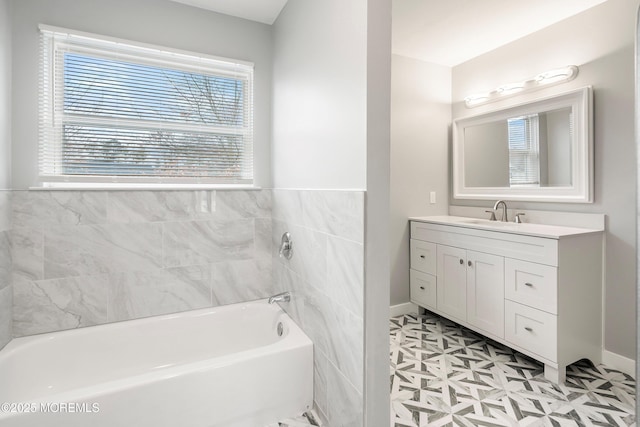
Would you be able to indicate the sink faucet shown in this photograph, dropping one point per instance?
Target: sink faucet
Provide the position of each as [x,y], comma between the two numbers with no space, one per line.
[504,210]
[283,297]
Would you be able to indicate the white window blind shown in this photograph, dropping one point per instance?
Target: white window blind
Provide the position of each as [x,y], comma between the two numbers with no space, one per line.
[524,151]
[113,111]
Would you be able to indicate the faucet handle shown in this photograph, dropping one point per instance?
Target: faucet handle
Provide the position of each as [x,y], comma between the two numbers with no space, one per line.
[493,215]
[517,219]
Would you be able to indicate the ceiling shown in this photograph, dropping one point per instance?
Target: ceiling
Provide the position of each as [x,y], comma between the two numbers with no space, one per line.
[446,32]
[265,11]
[449,32]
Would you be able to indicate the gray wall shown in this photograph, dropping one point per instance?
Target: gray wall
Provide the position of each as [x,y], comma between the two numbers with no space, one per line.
[6,289]
[5,94]
[558,148]
[601,42]
[158,22]
[487,148]
[420,120]
[319,95]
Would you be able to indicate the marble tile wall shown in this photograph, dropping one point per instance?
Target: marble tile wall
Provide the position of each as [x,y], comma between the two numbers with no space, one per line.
[326,278]
[83,258]
[6,289]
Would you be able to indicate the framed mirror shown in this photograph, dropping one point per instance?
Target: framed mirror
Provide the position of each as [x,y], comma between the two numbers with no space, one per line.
[537,151]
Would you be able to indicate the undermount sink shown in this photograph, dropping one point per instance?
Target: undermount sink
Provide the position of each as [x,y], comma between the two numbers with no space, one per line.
[487,223]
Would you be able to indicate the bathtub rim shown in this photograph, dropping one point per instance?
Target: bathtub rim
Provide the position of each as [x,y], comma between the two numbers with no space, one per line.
[295,339]
[30,340]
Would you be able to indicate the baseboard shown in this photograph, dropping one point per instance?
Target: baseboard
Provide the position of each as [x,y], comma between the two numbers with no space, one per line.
[621,363]
[400,309]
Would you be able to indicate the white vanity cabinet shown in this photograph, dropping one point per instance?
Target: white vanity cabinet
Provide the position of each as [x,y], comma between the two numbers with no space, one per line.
[537,289]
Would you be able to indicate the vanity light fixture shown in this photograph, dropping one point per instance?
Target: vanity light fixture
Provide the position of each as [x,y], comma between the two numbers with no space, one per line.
[548,78]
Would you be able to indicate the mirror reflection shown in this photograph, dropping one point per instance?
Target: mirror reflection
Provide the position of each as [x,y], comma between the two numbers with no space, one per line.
[532,150]
[539,150]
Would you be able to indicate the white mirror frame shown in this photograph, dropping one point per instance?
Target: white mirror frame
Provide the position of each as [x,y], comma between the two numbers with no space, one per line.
[581,191]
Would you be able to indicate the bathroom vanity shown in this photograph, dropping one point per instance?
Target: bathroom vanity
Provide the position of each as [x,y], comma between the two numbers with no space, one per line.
[535,288]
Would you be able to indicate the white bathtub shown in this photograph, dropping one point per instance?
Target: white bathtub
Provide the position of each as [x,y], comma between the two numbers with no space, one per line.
[224,366]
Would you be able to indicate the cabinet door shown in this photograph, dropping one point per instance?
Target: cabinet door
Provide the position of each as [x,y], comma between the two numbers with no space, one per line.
[452,281]
[485,292]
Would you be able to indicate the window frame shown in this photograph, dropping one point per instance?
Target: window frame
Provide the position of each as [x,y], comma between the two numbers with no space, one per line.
[51,120]
[530,155]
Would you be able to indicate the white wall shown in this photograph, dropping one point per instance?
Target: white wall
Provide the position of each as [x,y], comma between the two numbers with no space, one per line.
[601,42]
[319,95]
[159,22]
[420,120]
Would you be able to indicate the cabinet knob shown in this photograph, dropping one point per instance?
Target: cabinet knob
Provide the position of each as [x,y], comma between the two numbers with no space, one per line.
[422,287]
[469,263]
[528,284]
[422,256]
[461,261]
[528,329]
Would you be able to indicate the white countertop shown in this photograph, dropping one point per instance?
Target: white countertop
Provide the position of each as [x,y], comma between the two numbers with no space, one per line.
[527,229]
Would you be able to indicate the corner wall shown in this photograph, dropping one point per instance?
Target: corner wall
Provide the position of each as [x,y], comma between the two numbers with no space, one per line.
[601,42]
[420,120]
[320,145]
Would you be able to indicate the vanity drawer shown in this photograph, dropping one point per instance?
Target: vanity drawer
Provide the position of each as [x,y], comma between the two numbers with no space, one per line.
[423,289]
[535,285]
[423,256]
[531,329]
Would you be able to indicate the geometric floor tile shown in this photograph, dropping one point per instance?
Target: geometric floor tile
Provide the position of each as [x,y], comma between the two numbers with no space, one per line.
[443,374]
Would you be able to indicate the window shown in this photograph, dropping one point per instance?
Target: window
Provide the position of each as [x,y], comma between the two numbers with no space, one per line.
[524,151]
[113,111]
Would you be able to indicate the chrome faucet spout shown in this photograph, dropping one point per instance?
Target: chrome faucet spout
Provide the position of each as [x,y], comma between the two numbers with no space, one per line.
[283,297]
[502,203]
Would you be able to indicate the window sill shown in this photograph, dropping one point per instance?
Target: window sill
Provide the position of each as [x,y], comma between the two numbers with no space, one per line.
[139,187]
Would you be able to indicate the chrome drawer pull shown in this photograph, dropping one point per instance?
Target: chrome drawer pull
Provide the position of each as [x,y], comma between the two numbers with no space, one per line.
[529,284]
[526,328]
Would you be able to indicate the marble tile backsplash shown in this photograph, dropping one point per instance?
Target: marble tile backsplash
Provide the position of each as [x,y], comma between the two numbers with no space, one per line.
[6,288]
[83,258]
[326,278]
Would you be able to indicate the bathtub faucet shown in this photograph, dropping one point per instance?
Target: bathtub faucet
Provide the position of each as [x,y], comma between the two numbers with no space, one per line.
[283,297]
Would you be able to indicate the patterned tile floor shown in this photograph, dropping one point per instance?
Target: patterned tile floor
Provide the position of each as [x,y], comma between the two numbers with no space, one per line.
[443,374]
